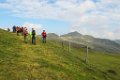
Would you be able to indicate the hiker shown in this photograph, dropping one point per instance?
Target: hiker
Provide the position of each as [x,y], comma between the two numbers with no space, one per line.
[33,36]
[8,29]
[21,30]
[44,35]
[30,35]
[17,30]
[14,28]
[25,33]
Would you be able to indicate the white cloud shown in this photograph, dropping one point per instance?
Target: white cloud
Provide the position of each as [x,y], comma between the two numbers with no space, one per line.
[110,34]
[99,19]
[102,21]
[116,34]
[37,27]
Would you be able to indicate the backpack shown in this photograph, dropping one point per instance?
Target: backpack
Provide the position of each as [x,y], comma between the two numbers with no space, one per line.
[44,34]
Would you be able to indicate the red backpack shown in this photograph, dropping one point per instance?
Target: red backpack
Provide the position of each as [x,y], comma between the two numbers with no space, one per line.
[44,34]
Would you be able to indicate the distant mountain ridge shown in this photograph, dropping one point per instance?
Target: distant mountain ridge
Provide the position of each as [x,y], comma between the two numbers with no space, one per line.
[105,45]
[117,41]
[52,36]
[75,34]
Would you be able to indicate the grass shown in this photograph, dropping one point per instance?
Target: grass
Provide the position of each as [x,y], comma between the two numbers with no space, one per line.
[20,61]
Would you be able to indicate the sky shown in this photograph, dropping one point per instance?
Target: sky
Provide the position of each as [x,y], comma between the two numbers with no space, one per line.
[99,18]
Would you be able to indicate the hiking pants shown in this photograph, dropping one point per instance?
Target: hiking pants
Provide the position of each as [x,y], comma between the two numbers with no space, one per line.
[25,39]
[44,39]
[33,40]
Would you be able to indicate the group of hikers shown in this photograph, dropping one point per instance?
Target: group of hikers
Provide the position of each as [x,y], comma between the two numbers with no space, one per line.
[25,33]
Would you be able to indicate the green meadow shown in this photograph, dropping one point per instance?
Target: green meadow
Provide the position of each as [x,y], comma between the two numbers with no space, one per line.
[50,61]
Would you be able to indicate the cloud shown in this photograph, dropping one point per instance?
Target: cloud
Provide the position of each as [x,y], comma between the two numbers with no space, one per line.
[101,22]
[115,34]
[60,9]
[37,27]
[99,18]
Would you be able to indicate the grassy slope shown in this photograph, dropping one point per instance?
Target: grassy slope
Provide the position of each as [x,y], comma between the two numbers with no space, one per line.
[20,61]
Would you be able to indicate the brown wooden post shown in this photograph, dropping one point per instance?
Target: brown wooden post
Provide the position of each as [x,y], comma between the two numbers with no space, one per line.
[86,57]
[69,46]
[62,45]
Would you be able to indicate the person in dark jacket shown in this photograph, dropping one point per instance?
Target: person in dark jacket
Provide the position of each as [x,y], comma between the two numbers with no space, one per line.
[8,29]
[33,36]
[14,28]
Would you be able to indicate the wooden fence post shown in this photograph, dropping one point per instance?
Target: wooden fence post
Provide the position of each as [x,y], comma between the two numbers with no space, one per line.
[69,46]
[86,57]
[62,45]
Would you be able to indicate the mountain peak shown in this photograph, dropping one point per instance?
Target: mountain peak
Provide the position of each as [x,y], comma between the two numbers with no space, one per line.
[75,33]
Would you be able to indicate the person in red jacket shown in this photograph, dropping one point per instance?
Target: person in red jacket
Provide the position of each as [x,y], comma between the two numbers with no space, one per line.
[44,35]
[25,33]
